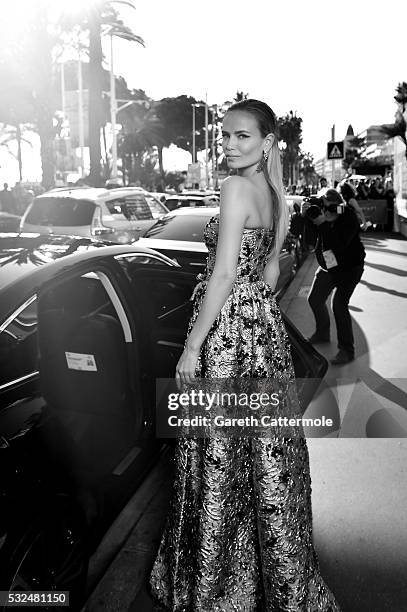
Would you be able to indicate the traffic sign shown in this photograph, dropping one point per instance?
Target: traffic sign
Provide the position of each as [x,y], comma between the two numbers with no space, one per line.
[335,150]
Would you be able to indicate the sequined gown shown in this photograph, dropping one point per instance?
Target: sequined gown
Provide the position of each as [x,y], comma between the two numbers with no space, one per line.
[238,535]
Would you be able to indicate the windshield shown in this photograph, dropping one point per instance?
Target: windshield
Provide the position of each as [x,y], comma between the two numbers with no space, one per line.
[62,212]
[179,227]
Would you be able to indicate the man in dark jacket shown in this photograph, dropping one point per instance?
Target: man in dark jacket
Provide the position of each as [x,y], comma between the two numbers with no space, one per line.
[340,254]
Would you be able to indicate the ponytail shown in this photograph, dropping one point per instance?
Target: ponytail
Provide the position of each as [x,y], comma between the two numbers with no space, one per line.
[274,177]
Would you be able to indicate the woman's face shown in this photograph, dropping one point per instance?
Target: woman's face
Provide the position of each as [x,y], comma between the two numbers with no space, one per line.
[243,144]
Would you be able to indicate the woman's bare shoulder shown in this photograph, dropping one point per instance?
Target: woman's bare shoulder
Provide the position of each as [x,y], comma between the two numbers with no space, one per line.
[236,188]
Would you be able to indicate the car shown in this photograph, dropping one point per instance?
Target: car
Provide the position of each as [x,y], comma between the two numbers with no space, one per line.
[9,222]
[192,200]
[115,215]
[85,330]
[179,235]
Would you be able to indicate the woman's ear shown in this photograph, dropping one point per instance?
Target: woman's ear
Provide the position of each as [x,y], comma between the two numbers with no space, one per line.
[269,141]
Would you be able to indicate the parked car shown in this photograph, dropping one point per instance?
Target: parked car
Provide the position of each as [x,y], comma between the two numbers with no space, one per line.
[192,200]
[115,215]
[9,222]
[179,235]
[85,330]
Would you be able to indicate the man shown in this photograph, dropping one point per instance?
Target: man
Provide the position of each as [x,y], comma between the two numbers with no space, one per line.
[323,186]
[340,254]
[7,199]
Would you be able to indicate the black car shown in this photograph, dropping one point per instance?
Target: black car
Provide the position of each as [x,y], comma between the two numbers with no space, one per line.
[179,235]
[192,200]
[85,330]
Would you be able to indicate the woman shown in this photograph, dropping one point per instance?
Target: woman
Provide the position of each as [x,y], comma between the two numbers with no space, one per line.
[348,193]
[239,533]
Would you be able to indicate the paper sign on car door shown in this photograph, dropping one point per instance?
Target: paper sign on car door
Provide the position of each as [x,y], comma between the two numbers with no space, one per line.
[81,361]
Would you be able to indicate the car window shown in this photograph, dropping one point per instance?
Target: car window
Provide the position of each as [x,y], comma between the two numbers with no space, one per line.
[179,227]
[79,299]
[18,344]
[165,300]
[157,209]
[140,258]
[54,211]
[172,203]
[131,208]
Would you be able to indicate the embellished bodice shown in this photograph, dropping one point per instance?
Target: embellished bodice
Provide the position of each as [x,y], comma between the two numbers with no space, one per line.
[255,249]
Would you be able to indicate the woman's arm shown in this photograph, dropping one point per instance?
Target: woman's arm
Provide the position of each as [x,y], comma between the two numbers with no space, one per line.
[234,212]
[272,271]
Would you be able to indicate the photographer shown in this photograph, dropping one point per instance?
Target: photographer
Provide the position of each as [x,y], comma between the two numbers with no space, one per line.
[340,254]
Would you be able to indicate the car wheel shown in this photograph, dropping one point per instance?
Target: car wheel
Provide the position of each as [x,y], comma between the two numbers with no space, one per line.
[51,555]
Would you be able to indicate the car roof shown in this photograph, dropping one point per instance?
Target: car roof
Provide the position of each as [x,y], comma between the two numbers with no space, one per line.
[77,193]
[94,194]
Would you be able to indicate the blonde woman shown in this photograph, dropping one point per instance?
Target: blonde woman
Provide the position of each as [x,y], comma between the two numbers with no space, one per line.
[238,535]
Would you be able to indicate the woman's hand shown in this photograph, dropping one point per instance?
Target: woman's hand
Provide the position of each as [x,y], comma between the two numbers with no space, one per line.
[185,370]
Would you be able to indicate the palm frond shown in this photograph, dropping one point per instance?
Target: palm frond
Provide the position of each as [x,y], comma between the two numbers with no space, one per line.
[124,2]
[121,31]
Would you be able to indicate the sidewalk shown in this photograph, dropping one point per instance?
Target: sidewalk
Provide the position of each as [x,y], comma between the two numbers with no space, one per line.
[359,485]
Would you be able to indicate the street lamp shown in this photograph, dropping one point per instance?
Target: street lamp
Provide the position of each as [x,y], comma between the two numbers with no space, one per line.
[115,108]
[81,128]
[194,105]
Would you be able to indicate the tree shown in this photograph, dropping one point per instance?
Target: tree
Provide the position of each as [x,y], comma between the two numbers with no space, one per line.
[28,92]
[175,115]
[138,146]
[353,150]
[240,95]
[290,131]
[8,135]
[99,19]
[399,127]
[307,169]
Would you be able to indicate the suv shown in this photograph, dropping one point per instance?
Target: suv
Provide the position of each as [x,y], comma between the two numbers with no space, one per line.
[116,215]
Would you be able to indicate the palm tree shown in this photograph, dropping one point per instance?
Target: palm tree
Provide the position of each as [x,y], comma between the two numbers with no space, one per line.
[290,131]
[399,127]
[102,18]
[141,145]
[99,19]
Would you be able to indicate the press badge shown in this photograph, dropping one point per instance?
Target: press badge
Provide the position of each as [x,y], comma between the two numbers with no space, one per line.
[329,258]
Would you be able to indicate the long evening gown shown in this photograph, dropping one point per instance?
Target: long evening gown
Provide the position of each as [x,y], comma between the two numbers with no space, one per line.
[238,535]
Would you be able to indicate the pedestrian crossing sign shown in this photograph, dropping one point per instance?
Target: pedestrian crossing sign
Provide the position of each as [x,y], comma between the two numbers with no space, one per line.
[335,150]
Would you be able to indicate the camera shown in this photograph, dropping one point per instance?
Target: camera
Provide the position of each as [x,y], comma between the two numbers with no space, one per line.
[317,205]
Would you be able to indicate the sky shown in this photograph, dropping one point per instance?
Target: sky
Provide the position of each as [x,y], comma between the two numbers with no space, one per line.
[330,62]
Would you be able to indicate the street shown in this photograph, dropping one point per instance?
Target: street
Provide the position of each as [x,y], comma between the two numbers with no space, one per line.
[358,473]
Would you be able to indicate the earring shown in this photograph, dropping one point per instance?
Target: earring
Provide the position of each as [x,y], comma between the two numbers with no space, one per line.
[262,163]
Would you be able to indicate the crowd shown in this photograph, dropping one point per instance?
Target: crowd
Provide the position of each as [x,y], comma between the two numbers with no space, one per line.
[376,188]
[352,191]
[15,200]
